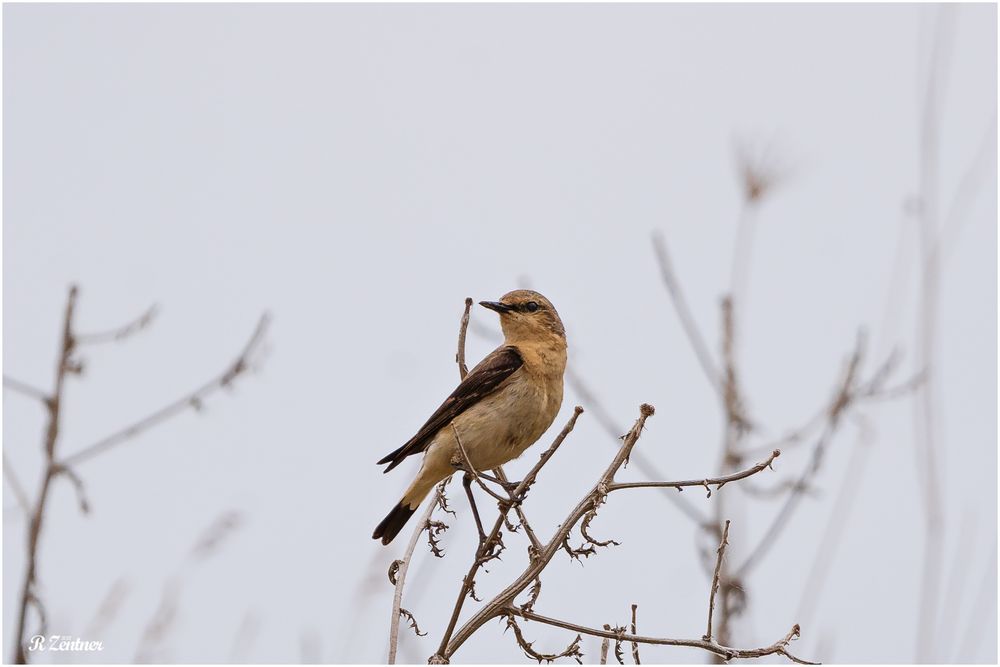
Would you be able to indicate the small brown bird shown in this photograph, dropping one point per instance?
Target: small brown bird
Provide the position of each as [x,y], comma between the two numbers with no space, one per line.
[500,409]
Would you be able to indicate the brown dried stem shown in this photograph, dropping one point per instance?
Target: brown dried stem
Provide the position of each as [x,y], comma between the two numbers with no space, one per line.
[718,482]
[463,370]
[635,645]
[503,602]
[571,651]
[63,367]
[715,581]
[398,578]
[779,647]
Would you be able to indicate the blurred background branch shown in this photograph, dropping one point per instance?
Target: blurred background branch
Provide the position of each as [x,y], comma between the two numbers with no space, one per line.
[70,364]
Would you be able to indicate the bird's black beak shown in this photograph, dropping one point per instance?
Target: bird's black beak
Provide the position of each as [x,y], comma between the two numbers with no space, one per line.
[496,305]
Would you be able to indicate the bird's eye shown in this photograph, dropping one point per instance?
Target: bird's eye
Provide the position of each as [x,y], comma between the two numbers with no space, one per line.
[531,306]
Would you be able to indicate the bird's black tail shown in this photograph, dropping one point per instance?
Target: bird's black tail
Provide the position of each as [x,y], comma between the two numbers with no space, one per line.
[393,523]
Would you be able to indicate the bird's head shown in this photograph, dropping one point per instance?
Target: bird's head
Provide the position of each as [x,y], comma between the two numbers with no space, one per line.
[526,316]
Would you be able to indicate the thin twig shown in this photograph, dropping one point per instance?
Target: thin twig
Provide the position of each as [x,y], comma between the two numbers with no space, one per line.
[718,482]
[779,647]
[928,330]
[25,389]
[463,370]
[193,400]
[635,645]
[721,551]
[697,340]
[843,398]
[832,536]
[122,332]
[15,486]
[639,459]
[399,573]
[535,542]
[571,651]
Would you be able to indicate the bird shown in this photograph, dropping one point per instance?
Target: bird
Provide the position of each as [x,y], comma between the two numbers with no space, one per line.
[501,408]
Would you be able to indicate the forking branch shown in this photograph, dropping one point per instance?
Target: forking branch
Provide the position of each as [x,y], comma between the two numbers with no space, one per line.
[503,603]
[69,364]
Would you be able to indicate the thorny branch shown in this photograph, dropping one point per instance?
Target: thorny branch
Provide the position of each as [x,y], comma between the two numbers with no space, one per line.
[399,568]
[503,603]
[571,651]
[779,647]
[494,536]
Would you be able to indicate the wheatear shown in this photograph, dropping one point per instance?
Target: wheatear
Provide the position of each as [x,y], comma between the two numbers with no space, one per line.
[499,410]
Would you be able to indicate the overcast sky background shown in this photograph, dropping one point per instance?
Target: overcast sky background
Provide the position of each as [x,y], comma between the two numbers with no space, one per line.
[357,171]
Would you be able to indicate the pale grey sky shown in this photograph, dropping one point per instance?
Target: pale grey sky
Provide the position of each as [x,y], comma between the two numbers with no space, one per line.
[358,171]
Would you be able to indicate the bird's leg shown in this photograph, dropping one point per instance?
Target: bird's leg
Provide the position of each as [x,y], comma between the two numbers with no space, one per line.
[467,484]
[503,483]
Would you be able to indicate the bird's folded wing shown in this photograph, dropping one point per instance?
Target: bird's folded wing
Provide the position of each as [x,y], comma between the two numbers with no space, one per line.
[481,381]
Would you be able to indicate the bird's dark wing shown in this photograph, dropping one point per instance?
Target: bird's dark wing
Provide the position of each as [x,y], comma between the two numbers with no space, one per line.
[481,381]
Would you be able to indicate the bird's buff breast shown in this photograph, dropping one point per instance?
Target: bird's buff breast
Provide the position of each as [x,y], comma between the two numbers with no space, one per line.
[502,426]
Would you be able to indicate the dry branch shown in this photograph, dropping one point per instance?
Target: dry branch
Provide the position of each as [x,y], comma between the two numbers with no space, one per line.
[25,389]
[463,370]
[122,332]
[503,603]
[635,645]
[715,581]
[571,651]
[54,467]
[779,647]
[193,400]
